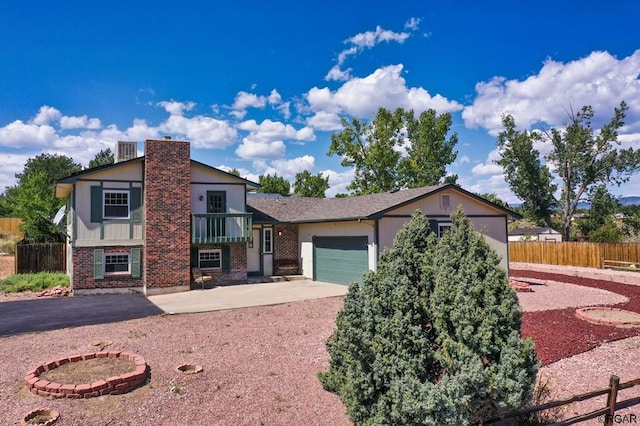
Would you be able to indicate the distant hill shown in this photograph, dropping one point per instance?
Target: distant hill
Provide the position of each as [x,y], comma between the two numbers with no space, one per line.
[630,201]
[625,201]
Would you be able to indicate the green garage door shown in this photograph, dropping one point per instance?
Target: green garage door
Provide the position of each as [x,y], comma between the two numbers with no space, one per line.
[340,260]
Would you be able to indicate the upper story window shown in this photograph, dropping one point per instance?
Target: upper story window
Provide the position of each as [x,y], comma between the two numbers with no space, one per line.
[267,240]
[115,204]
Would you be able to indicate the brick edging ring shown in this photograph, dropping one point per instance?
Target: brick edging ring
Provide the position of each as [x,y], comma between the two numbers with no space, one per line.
[115,385]
[583,314]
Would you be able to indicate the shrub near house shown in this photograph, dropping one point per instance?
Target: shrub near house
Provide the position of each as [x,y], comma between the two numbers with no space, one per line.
[432,337]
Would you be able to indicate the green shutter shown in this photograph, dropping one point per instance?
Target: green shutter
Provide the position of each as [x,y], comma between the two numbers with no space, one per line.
[433,226]
[96,204]
[98,264]
[194,257]
[226,258]
[135,263]
[136,204]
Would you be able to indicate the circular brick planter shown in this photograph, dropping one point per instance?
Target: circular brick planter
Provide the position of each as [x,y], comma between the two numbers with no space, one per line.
[44,416]
[189,369]
[109,386]
[606,315]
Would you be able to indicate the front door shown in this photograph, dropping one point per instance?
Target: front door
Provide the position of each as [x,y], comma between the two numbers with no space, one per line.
[216,203]
[253,254]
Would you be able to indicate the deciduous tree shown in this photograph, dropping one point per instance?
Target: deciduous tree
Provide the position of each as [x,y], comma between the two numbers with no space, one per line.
[274,185]
[586,158]
[527,177]
[308,185]
[395,150]
[102,158]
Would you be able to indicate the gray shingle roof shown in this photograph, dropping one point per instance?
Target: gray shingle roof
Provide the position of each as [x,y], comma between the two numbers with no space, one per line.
[307,209]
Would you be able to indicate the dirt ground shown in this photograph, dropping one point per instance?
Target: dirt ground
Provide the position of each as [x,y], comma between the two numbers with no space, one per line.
[7,265]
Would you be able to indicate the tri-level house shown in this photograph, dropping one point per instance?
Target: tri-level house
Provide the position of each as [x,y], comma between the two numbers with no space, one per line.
[142,223]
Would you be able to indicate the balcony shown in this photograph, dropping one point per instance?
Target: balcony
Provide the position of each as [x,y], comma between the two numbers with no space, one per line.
[219,228]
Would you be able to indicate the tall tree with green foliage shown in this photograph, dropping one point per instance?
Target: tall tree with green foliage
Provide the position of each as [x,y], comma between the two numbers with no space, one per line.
[603,207]
[586,158]
[102,158]
[308,185]
[429,152]
[374,150]
[274,185]
[583,157]
[527,177]
[396,357]
[32,198]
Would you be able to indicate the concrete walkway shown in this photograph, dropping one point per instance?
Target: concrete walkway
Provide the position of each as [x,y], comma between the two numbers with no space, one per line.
[239,296]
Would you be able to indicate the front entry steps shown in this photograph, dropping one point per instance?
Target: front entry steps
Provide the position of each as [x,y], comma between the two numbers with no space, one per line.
[275,279]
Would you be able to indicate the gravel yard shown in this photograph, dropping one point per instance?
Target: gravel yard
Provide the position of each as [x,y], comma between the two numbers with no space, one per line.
[260,363]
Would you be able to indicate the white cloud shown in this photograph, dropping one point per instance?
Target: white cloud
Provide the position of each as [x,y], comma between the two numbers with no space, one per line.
[370,39]
[600,80]
[270,130]
[245,100]
[201,130]
[486,169]
[336,74]
[367,40]
[338,181]
[10,164]
[325,121]
[177,108]
[82,122]
[385,87]
[463,160]
[46,115]
[253,150]
[289,168]
[412,24]
[21,135]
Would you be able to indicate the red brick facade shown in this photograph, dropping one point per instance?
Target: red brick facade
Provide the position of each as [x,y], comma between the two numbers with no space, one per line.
[167,200]
[237,265]
[285,249]
[83,261]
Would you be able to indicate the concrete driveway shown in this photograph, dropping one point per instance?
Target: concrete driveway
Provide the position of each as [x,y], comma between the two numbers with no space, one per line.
[238,296]
[25,316]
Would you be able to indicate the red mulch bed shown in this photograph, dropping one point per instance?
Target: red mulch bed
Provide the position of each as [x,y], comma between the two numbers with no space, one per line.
[560,334]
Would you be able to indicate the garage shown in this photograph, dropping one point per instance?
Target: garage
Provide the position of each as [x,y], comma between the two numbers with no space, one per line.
[340,260]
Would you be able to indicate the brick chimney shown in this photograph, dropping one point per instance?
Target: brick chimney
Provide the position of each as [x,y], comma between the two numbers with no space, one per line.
[167,221]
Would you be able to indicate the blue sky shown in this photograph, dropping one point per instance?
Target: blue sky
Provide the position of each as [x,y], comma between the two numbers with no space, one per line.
[260,86]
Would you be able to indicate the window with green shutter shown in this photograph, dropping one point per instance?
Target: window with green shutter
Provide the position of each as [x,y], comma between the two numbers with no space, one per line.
[135,262]
[96,204]
[98,264]
[226,258]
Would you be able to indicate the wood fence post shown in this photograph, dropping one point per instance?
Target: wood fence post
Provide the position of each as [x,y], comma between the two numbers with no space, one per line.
[614,383]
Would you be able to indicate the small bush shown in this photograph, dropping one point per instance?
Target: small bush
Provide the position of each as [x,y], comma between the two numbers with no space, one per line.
[33,282]
[8,245]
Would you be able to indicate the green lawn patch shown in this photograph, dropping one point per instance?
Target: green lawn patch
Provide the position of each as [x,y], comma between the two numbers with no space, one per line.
[33,282]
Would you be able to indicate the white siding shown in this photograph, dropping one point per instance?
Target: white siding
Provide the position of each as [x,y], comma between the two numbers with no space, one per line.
[235,197]
[307,231]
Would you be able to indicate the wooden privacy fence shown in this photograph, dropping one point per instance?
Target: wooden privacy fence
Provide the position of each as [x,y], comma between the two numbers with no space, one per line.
[606,415]
[10,225]
[31,258]
[589,255]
